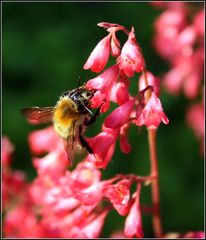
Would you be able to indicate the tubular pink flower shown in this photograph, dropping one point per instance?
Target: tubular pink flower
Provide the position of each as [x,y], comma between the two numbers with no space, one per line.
[120,115]
[103,146]
[85,183]
[119,92]
[152,114]
[119,195]
[53,163]
[133,222]
[103,83]
[99,56]
[44,140]
[152,81]
[131,59]
[173,80]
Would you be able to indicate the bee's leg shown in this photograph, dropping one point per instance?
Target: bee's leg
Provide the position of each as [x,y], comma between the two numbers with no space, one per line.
[85,144]
[94,117]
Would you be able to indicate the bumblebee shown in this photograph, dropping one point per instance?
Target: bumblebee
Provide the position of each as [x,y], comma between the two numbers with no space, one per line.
[69,116]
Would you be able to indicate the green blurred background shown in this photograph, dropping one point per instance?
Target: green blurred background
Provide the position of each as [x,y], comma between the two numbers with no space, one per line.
[45,46]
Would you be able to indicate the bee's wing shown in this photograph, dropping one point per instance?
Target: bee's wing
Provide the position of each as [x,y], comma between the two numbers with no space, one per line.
[70,141]
[38,115]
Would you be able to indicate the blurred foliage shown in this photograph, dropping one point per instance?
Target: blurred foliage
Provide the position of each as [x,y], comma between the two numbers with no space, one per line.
[44,48]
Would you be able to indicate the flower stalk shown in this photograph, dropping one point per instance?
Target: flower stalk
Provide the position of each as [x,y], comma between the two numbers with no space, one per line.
[157,223]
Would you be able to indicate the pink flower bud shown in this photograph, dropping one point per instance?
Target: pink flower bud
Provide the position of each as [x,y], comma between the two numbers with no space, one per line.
[152,81]
[115,46]
[99,56]
[131,59]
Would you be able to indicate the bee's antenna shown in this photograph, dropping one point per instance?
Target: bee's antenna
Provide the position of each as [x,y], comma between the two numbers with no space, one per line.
[78,82]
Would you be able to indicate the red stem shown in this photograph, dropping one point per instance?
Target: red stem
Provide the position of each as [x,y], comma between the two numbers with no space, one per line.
[157,224]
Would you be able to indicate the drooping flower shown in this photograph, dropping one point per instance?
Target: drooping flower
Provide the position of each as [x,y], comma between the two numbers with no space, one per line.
[103,146]
[120,93]
[120,115]
[119,195]
[103,84]
[152,114]
[133,222]
[131,59]
[99,56]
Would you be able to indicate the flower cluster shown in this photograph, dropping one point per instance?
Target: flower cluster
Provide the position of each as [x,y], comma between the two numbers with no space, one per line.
[112,85]
[179,38]
[65,204]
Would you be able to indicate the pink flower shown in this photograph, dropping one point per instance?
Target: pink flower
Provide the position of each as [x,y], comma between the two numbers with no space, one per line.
[14,187]
[47,141]
[85,183]
[119,92]
[152,81]
[195,119]
[99,56]
[199,23]
[103,146]
[103,83]
[44,140]
[167,27]
[119,195]
[133,222]
[173,80]
[152,114]
[54,163]
[131,59]
[120,115]
[21,222]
